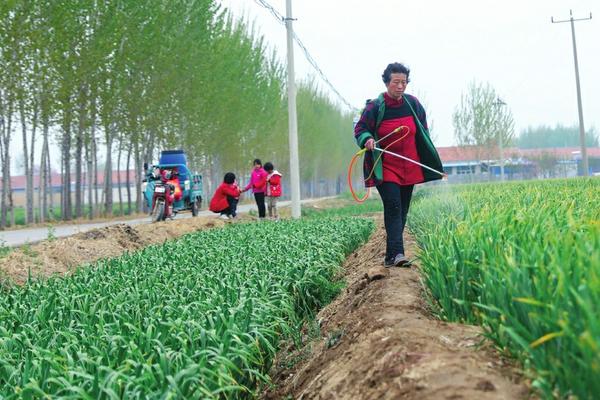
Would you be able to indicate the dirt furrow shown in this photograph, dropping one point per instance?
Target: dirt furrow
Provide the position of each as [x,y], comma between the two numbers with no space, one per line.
[378,341]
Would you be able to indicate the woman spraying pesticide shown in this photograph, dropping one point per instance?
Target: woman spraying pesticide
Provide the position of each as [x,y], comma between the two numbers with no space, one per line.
[399,154]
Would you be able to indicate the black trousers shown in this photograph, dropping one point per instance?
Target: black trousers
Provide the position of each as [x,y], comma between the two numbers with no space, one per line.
[260,203]
[233,202]
[232,209]
[396,201]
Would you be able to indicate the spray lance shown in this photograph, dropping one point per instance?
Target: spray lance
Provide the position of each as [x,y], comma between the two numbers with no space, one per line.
[381,152]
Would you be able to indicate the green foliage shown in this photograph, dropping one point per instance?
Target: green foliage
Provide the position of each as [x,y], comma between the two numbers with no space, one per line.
[346,207]
[558,136]
[522,259]
[149,75]
[480,121]
[197,317]
[4,249]
[51,233]
[325,134]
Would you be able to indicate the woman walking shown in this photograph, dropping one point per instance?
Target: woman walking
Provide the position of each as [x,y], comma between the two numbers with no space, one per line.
[396,122]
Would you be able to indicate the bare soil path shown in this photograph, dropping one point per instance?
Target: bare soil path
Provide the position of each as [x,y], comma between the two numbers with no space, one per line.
[378,341]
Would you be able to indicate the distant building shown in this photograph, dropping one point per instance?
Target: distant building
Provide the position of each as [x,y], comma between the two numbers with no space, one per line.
[19,183]
[469,163]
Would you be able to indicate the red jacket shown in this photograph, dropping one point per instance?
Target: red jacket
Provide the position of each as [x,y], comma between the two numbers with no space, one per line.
[219,201]
[274,184]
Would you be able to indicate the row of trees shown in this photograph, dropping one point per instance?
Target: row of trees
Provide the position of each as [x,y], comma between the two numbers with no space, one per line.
[557,136]
[129,79]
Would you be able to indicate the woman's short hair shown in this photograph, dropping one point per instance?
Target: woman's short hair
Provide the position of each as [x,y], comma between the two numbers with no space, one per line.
[257,161]
[229,178]
[394,68]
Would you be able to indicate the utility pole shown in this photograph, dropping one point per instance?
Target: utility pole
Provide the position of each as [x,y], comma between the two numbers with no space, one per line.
[292,117]
[499,103]
[584,157]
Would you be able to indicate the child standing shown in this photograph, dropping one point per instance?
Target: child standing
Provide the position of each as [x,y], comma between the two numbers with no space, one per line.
[226,197]
[258,184]
[273,189]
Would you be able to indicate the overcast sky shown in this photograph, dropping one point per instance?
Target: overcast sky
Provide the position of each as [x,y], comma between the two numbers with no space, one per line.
[447,44]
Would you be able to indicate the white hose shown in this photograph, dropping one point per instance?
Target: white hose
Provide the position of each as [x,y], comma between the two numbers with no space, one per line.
[410,160]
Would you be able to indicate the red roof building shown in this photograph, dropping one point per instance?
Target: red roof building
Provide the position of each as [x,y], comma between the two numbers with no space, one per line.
[20,182]
[519,163]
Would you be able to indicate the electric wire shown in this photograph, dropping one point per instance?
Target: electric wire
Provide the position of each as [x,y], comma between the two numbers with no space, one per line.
[281,19]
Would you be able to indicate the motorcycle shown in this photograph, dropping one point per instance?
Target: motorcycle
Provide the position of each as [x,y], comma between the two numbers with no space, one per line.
[162,198]
[169,187]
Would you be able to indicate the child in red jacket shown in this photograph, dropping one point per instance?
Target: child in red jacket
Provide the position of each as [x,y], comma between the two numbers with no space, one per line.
[273,189]
[226,197]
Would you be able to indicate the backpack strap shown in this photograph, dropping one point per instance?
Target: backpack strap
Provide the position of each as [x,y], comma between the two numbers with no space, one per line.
[379,112]
[415,115]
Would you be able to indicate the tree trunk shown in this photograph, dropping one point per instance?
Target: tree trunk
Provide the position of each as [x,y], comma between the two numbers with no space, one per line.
[11,202]
[94,149]
[6,173]
[108,202]
[138,176]
[62,181]
[79,162]
[121,211]
[30,186]
[49,177]
[149,148]
[128,179]
[66,161]
[5,158]
[43,188]
[89,178]
[26,166]
[7,189]
[93,160]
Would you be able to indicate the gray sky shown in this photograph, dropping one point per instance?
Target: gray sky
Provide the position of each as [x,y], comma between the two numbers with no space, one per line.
[447,44]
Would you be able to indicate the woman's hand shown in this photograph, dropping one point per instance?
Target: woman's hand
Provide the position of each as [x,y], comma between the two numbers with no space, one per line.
[370,144]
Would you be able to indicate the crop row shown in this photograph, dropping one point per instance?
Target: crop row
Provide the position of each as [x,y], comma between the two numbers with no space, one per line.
[197,317]
[522,259]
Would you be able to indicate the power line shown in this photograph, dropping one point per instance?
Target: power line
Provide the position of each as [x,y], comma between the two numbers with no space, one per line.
[281,19]
[321,73]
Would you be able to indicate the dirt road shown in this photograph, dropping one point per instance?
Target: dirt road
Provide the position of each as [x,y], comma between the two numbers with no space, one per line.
[19,237]
[378,341]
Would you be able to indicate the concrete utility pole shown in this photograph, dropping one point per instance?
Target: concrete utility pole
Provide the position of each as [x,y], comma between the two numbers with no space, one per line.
[292,117]
[584,157]
[500,103]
